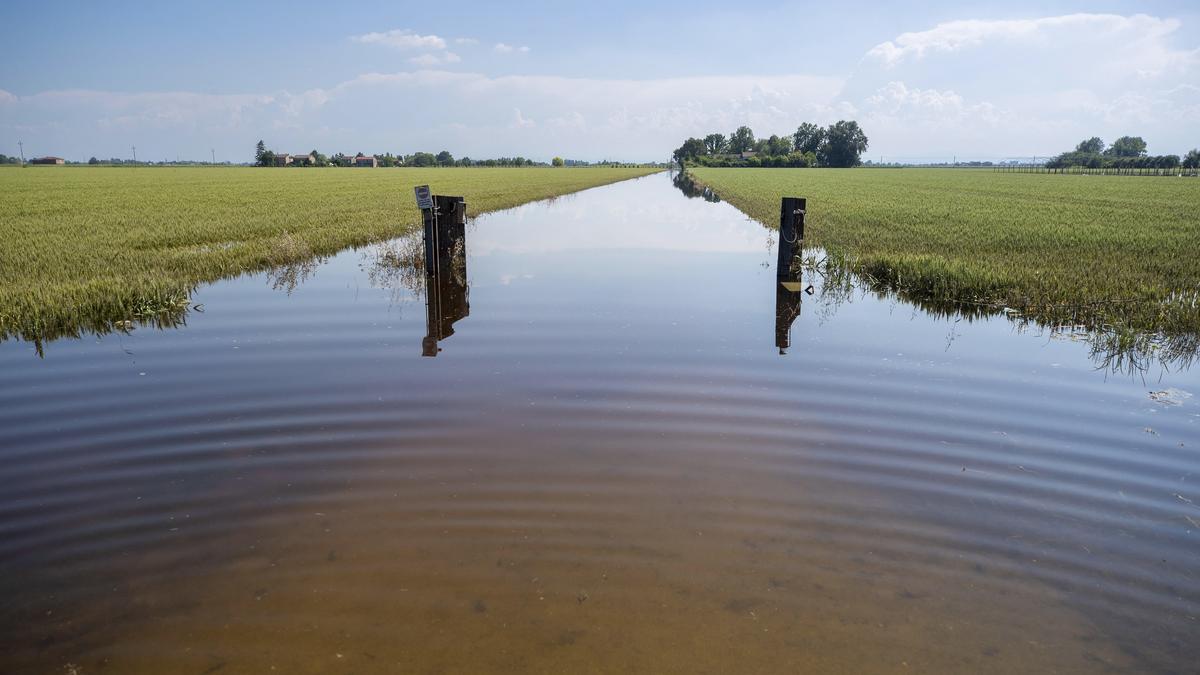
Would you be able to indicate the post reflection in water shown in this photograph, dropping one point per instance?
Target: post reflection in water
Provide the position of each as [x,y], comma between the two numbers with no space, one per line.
[446,289]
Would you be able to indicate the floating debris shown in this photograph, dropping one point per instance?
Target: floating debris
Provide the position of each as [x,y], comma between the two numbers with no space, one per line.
[1170,396]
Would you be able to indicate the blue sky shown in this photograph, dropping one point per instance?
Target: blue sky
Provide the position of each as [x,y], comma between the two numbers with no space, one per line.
[624,80]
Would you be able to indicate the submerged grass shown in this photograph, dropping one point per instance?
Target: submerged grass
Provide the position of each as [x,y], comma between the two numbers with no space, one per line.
[89,249]
[1063,250]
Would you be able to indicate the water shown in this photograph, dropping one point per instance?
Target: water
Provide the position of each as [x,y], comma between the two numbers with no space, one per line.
[608,466]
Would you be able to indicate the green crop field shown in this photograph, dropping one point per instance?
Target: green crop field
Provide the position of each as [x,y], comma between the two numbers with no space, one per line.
[1091,250]
[84,248]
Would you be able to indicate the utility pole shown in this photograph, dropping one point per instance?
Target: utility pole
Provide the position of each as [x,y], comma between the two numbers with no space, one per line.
[21,144]
[214,154]
[134,148]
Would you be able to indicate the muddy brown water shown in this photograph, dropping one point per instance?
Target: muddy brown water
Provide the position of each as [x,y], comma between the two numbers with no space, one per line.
[609,466]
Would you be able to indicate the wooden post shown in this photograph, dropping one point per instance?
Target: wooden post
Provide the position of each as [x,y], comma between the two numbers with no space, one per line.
[791,235]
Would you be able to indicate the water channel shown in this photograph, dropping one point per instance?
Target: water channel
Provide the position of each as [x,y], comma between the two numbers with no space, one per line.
[614,456]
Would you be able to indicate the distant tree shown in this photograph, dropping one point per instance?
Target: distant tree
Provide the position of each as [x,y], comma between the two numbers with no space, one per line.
[464,161]
[777,146]
[715,143]
[267,158]
[741,140]
[260,150]
[557,161]
[691,149]
[93,160]
[808,138]
[1092,145]
[1127,146]
[1192,159]
[844,145]
[444,158]
[422,159]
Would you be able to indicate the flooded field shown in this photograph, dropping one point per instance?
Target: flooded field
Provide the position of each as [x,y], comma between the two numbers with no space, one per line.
[613,445]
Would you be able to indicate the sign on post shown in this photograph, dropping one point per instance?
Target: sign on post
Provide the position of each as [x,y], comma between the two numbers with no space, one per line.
[424,197]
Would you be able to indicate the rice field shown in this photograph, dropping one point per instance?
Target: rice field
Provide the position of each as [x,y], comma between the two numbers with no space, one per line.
[1063,250]
[89,249]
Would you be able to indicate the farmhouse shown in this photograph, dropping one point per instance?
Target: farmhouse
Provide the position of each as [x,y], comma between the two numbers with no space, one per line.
[304,159]
[283,159]
[47,160]
[365,160]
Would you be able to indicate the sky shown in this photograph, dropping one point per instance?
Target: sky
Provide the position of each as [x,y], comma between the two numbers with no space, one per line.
[621,80]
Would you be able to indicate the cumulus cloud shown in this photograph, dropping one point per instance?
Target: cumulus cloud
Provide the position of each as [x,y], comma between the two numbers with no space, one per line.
[502,48]
[402,39]
[465,41]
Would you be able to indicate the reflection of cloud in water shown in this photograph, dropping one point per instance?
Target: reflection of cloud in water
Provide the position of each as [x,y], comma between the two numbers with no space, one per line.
[507,279]
[593,220]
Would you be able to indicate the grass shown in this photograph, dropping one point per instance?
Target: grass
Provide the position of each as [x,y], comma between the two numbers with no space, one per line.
[90,249]
[1063,250]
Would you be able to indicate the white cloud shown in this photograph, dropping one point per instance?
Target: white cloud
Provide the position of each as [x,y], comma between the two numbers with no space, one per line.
[402,39]
[465,41]
[502,48]
[1027,87]
[519,121]
[7,97]
[429,60]
[1139,40]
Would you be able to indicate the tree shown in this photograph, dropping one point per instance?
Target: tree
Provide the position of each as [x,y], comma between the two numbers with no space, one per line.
[808,138]
[1127,146]
[93,160]
[715,143]
[1192,160]
[1092,146]
[260,151]
[741,140]
[777,146]
[557,161]
[444,158]
[691,149]
[423,159]
[844,145]
[267,159]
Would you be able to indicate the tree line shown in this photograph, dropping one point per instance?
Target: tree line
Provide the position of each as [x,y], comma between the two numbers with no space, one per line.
[1127,152]
[263,156]
[839,145]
